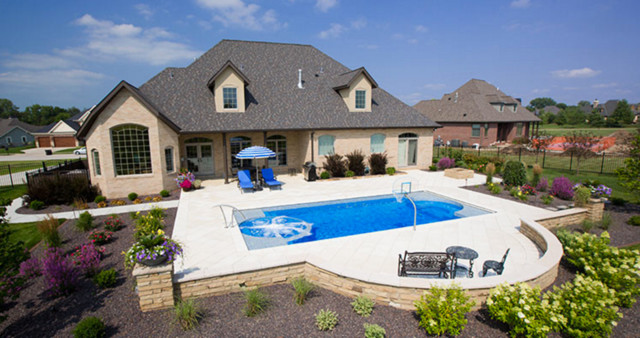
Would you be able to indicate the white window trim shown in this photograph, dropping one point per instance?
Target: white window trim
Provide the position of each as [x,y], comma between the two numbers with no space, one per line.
[237,108]
[355,99]
[93,159]
[173,160]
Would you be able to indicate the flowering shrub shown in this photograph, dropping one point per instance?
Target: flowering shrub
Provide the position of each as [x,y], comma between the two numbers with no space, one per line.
[446,163]
[543,184]
[10,286]
[519,306]
[113,223]
[547,199]
[494,188]
[30,268]
[601,191]
[185,179]
[616,268]
[148,224]
[151,247]
[87,257]
[588,306]
[100,237]
[442,310]
[60,275]
[562,188]
[527,190]
[517,193]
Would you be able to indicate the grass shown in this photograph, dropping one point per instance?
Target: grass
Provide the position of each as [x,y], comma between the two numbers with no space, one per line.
[556,130]
[19,166]
[632,247]
[27,232]
[66,151]
[15,150]
[7,192]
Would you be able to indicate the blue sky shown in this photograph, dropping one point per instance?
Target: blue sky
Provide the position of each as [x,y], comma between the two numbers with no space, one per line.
[72,53]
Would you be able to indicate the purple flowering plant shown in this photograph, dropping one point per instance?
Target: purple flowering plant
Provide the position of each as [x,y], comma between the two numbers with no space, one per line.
[446,163]
[87,257]
[185,178]
[30,268]
[601,191]
[151,247]
[562,188]
[543,184]
[60,274]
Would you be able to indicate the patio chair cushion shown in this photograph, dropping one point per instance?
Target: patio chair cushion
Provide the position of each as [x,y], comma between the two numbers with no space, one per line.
[269,179]
[244,180]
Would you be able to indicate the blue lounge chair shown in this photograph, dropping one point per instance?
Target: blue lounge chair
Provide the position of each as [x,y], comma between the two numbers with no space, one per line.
[244,180]
[269,179]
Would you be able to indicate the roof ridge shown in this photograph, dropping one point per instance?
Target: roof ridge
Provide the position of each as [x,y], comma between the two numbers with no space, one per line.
[267,42]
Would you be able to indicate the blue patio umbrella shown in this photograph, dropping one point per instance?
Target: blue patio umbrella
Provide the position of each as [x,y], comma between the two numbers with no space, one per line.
[255,152]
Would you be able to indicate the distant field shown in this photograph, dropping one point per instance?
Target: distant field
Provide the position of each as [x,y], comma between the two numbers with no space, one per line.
[556,130]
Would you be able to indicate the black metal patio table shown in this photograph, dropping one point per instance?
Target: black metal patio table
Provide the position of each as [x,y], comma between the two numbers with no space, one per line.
[462,252]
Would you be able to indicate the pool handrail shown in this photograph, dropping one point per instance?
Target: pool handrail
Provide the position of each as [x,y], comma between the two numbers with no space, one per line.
[234,209]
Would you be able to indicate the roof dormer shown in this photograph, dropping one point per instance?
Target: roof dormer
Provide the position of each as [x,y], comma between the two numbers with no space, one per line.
[228,87]
[355,88]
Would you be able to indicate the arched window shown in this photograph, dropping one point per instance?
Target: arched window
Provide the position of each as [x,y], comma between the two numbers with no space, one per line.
[8,140]
[278,144]
[168,159]
[131,152]
[377,143]
[95,156]
[325,144]
[407,149]
[237,144]
[24,139]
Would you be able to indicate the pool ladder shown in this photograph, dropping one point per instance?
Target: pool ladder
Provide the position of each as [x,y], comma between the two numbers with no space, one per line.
[415,210]
[229,224]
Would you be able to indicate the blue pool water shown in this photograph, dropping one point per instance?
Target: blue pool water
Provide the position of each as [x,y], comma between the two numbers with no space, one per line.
[301,223]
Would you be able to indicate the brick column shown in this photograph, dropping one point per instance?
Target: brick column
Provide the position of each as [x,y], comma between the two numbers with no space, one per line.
[595,209]
[155,286]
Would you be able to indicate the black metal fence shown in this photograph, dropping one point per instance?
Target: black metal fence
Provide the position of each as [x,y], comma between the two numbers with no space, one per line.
[603,163]
[17,173]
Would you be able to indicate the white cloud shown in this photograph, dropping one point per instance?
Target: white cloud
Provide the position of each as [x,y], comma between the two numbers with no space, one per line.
[237,13]
[325,5]
[540,91]
[369,46]
[37,61]
[50,77]
[605,85]
[575,73]
[434,86]
[334,31]
[144,10]
[520,3]
[359,24]
[421,29]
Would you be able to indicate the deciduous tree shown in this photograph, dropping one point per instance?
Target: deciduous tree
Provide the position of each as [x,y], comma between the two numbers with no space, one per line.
[580,146]
[629,175]
[622,114]
[541,102]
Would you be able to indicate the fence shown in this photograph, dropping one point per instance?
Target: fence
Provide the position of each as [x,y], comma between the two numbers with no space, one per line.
[17,173]
[599,163]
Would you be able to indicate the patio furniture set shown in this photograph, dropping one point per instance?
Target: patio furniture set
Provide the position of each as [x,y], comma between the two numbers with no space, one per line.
[444,264]
[268,179]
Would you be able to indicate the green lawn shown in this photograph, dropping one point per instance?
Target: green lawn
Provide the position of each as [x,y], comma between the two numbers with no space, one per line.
[13,193]
[18,166]
[66,151]
[556,130]
[15,150]
[632,247]
[27,232]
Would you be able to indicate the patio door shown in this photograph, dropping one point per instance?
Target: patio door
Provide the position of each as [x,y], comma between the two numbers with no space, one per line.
[407,149]
[199,156]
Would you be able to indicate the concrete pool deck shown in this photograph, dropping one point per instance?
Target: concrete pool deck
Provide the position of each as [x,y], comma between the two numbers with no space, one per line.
[211,250]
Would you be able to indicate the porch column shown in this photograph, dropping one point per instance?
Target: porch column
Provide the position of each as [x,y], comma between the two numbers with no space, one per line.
[224,155]
[264,144]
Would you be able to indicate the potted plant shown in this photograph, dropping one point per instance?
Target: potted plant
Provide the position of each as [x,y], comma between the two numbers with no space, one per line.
[185,179]
[152,250]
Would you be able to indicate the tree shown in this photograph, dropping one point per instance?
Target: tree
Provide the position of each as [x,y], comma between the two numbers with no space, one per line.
[596,119]
[562,105]
[547,117]
[573,115]
[43,115]
[8,109]
[629,175]
[584,103]
[580,146]
[541,102]
[622,114]
[540,141]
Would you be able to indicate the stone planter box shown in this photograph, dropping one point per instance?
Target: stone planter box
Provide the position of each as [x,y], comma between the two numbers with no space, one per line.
[458,173]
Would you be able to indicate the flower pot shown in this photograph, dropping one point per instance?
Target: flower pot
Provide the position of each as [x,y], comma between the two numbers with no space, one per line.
[186,189]
[154,262]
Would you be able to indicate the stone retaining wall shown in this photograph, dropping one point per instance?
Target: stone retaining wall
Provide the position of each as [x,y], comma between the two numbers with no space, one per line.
[592,211]
[155,286]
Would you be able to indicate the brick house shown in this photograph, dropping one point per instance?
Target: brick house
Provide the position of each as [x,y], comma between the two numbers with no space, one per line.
[478,113]
[291,98]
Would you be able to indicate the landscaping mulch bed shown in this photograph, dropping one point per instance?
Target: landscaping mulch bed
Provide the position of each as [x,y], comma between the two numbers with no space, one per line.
[35,314]
[533,200]
[49,209]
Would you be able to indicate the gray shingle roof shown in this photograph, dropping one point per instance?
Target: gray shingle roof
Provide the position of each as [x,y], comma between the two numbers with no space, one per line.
[6,125]
[472,103]
[273,101]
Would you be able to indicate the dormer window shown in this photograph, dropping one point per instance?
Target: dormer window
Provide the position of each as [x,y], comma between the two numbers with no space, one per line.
[361,96]
[501,107]
[230,98]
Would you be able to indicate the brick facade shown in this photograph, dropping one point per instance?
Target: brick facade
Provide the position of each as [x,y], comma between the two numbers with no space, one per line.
[462,131]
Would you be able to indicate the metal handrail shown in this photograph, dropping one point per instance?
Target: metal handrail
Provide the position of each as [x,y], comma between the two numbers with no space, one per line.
[234,209]
[415,210]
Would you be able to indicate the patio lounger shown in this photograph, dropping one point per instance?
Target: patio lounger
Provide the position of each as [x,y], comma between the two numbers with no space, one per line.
[269,179]
[496,266]
[244,180]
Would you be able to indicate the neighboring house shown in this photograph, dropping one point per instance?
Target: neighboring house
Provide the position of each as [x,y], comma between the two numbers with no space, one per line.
[291,98]
[549,109]
[61,133]
[15,133]
[607,108]
[478,113]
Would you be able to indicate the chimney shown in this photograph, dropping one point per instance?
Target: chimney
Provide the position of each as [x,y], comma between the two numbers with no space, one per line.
[519,99]
[300,79]
[595,103]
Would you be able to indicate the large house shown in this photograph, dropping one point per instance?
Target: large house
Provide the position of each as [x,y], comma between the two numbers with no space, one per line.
[61,133]
[15,133]
[291,98]
[478,113]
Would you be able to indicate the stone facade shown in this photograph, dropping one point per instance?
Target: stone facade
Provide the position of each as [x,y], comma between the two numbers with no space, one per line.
[155,286]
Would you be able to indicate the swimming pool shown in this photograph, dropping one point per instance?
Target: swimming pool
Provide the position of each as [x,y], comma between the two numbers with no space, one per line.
[275,226]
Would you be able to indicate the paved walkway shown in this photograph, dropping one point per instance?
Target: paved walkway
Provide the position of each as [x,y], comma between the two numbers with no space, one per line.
[14,217]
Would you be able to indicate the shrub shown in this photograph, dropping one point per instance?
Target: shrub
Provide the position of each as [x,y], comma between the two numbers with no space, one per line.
[187,314]
[547,199]
[562,188]
[335,165]
[117,202]
[543,184]
[55,189]
[106,278]
[446,163]
[581,196]
[84,221]
[374,331]
[618,201]
[606,220]
[442,310]
[363,305]
[60,275]
[587,225]
[164,193]
[157,212]
[99,199]
[514,174]
[355,162]
[48,228]
[517,193]
[197,184]
[137,201]
[80,204]
[90,327]
[349,173]
[113,223]
[132,196]
[593,256]
[30,268]
[12,253]
[147,225]
[36,205]
[102,204]
[490,170]
[326,320]
[433,167]
[87,257]
[156,199]
[100,237]
[494,188]
[519,307]
[391,171]
[378,163]
[325,175]
[302,288]
[634,220]
[537,171]
[257,301]
[527,190]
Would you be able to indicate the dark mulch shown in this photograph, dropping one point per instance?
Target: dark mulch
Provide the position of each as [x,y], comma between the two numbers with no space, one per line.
[35,314]
[533,200]
[49,209]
